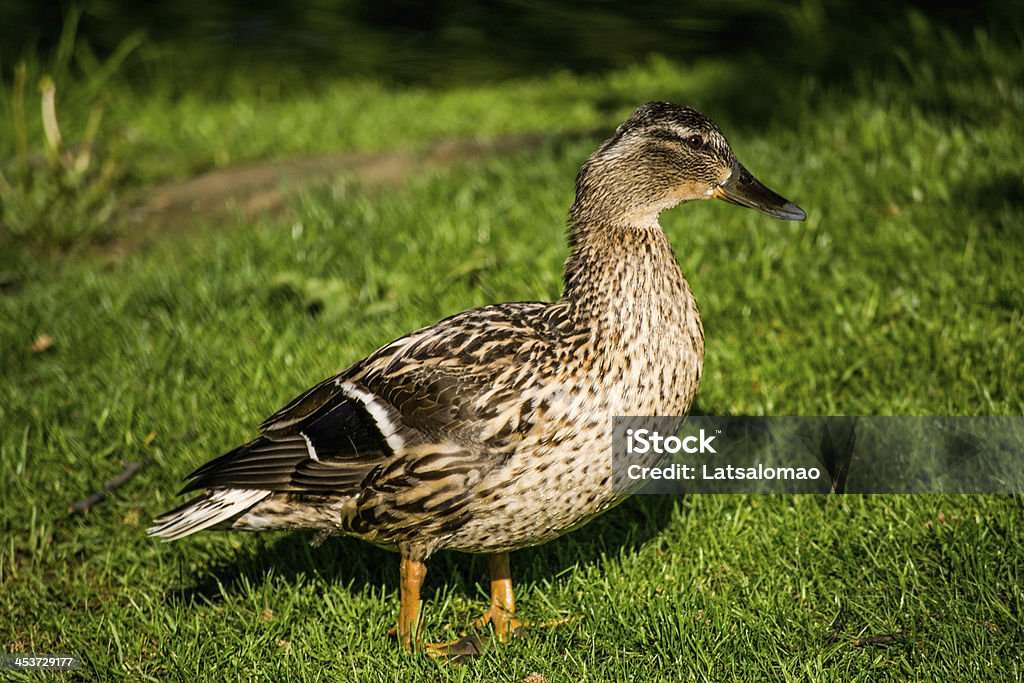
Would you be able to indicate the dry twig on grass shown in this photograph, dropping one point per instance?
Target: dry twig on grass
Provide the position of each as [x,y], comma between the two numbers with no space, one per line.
[117,482]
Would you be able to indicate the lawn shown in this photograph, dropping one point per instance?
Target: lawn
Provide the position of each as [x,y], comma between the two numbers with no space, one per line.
[902,294]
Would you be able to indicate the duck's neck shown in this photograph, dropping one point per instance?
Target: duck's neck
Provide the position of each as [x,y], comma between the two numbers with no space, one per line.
[625,281]
[611,263]
[643,335]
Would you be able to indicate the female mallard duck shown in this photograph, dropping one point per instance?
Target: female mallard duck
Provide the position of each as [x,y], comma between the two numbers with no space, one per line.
[490,431]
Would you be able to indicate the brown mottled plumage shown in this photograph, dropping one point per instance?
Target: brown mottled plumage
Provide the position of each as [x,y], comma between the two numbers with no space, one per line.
[491,430]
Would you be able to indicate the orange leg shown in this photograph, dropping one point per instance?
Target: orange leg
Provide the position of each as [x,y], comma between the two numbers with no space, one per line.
[502,611]
[408,630]
[500,614]
[412,575]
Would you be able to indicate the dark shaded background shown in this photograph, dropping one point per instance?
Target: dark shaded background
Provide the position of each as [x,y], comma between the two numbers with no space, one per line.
[296,45]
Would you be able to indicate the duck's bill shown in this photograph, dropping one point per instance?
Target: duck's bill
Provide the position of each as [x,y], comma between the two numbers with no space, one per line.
[743,189]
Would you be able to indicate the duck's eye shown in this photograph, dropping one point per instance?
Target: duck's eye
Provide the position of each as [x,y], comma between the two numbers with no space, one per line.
[694,141]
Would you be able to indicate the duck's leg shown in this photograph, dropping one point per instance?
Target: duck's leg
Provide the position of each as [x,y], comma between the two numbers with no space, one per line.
[412,574]
[502,611]
[500,614]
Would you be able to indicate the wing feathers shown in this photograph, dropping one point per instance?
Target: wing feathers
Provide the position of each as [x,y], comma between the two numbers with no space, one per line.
[329,449]
[204,512]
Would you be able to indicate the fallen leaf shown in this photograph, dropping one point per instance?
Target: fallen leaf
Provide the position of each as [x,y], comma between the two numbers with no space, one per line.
[43,342]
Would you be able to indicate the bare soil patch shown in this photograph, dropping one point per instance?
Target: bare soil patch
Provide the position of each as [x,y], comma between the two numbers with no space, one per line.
[263,187]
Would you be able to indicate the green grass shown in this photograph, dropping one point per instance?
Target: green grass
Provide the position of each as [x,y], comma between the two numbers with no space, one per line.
[900,295]
[216,131]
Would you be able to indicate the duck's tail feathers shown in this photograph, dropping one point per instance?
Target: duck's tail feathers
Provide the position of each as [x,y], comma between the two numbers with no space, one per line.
[208,510]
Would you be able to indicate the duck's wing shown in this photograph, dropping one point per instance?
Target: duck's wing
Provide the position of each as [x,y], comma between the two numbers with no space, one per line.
[444,398]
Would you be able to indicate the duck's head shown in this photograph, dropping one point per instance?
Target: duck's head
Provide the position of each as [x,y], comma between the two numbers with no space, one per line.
[663,155]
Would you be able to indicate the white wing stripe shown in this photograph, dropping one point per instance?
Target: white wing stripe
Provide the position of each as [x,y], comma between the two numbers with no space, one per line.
[381,413]
[309,447]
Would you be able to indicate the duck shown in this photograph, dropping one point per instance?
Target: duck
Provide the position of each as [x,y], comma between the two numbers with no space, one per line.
[491,430]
